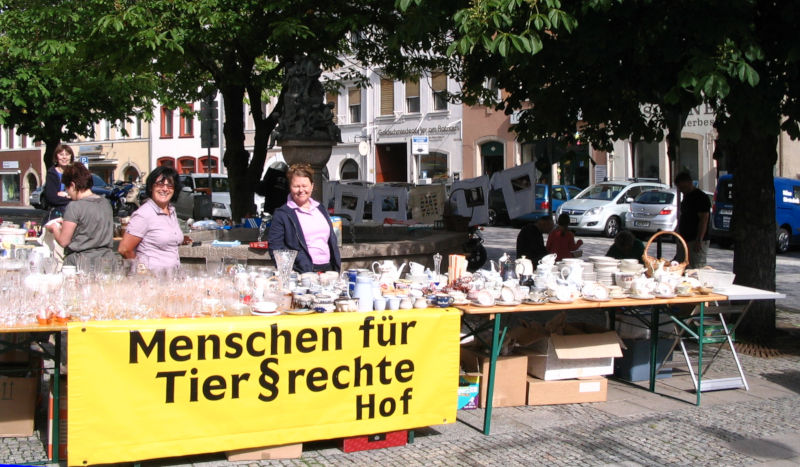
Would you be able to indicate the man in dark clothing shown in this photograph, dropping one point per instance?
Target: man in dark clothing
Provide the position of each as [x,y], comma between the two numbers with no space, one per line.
[530,241]
[693,222]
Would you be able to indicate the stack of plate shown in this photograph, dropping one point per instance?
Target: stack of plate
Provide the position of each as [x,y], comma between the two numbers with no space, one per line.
[604,268]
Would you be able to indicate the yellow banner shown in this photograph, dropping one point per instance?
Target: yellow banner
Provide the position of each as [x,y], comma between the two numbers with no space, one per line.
[149,389]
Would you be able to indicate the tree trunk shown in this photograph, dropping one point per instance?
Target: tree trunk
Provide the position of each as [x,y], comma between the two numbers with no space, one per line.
[676,119]
[236,157]
[264,127]
[753,225]
[49,149]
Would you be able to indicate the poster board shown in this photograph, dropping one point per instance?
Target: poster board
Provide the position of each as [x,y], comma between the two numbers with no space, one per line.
[471,198]
[191,386]
[389,202]
[350,200]
[518,185]
[427,203]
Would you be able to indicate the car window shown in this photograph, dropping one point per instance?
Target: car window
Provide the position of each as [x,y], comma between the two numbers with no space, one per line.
[540,191]
[558,193]
[603,191]
[633,192]
[655,197]
[573,192]
[218,184]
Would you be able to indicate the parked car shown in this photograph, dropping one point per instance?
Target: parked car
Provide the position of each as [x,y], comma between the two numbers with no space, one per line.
[498,213]
[787,212]
[36,198]
[194,186]
[601,207]
[653,211]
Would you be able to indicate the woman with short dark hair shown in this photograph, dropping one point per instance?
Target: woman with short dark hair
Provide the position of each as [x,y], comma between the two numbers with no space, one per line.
[87,228]
[562,241]
[153,234]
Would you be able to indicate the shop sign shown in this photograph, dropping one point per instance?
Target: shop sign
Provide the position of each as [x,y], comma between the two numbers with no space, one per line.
[10,164]
[419,145]
[162,388]
[439,129]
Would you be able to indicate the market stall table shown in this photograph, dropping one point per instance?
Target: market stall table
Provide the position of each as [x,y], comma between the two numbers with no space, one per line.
[497,314]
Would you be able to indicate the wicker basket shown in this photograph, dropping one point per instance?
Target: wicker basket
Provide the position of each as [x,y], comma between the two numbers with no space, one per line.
[651,263]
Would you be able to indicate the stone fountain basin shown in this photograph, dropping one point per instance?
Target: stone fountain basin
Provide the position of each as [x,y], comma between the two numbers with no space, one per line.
[372,243]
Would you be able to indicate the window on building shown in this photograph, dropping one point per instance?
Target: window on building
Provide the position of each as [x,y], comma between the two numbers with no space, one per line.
[8,138]
[439,86]
[387,97]
[137,127]
[434,166]
[206,164]
[9,185]
[494,89]
[120,129]
[647,160]
[187,122]
[412,97]
[186,165]
[349,170]
[166,122]
[332,98]
[166,162]
[105,129]
[19,140]
[354,102]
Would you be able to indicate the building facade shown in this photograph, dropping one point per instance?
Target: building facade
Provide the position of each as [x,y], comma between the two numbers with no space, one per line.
[21,167]
[114,154]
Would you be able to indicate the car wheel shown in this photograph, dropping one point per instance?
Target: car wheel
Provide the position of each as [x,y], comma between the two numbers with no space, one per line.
[612,227]
[783,240]
[492,217]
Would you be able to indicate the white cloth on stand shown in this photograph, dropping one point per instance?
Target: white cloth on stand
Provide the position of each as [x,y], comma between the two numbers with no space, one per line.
[427,203]
[518,185]
[471,198]
[389,202]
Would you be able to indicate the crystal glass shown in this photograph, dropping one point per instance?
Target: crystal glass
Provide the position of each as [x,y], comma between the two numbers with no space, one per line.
[284,262]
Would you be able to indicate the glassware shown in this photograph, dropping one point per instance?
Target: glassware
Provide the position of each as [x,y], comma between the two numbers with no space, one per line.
[284,262]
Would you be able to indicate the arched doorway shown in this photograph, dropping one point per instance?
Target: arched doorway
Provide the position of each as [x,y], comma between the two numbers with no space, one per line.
[349,170]
[31,182]
[492,154]
[130,174]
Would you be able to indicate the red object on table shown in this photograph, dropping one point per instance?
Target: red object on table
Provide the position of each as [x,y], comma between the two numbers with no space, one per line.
[379,441]
[259,245]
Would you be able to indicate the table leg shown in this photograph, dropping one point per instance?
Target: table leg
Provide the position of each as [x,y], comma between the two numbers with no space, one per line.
[654,321]
[56,427]
[494,352]
[701,334]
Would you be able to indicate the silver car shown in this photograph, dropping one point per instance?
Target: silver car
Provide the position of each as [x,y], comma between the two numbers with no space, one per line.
[653,211]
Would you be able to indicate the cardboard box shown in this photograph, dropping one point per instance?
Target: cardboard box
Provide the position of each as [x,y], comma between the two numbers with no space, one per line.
[469,388]
[509,379]
[573,356]
[635,362]
[379,441]
[286,451]
[17,406]
[569,391]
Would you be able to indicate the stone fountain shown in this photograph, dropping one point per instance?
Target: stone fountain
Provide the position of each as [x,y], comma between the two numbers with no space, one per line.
[306,131]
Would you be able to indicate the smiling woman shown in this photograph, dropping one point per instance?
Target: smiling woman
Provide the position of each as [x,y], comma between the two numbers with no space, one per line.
[153,234]
[302,224]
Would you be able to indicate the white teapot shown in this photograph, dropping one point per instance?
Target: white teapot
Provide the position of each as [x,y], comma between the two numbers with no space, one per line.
[523,266]
[387,271]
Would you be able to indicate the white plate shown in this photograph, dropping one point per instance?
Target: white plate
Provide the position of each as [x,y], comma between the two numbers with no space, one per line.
[504,303]
[532,302]
[462,302]
[264,307]
[690,294]
[595,299]
[266,313]
[560,302]
[643,297]
[475,303]
[666,296]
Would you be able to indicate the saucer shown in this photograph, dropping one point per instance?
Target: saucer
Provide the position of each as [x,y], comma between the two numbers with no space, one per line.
[643,297]
[666,296]
[560,302]
[476,303]
[595,299]
[688,294]
[505,303]
[301,311]
[534,302]
[265,313]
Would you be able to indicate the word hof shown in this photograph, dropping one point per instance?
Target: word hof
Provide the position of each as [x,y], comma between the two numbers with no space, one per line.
[188,385]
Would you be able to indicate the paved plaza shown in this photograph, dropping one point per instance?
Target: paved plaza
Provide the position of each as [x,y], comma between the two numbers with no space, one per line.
[634,427]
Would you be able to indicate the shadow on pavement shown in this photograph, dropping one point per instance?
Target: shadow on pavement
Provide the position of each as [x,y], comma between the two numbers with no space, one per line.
[790,379]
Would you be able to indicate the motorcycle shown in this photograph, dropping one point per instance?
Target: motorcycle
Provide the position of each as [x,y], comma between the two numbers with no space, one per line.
[118,197]
[474,250]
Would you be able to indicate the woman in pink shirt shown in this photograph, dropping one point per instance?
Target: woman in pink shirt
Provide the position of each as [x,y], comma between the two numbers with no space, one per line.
[561,241]
[153,234]
[302,224]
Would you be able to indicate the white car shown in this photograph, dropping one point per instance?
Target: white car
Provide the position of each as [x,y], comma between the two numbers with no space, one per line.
[196,184]
[602,207]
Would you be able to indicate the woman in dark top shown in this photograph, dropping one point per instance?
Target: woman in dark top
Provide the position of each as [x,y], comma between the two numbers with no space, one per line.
[303,224]
[54,191]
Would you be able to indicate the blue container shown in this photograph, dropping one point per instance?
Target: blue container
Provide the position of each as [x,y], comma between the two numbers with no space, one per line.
[634,365]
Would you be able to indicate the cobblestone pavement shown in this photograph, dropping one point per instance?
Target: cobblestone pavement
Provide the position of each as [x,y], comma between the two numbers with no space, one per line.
[634,427]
